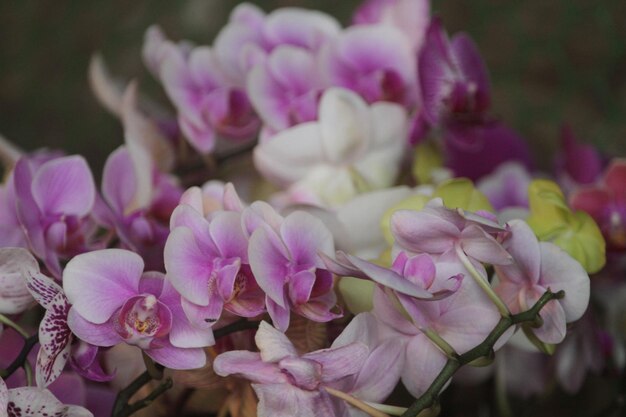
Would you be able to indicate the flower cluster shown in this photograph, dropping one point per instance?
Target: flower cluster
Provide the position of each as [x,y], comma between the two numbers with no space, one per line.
[337,270]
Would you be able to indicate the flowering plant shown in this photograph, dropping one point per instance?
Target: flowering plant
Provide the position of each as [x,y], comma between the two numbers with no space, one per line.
[386,235]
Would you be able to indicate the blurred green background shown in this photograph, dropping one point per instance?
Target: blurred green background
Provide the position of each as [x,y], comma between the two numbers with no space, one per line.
[551,61]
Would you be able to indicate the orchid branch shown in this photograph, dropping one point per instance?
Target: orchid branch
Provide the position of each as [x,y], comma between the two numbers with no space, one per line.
[484,349]
[22,358]
[239,325]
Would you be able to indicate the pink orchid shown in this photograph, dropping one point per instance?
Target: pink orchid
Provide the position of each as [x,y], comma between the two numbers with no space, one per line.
[30,401]
[288,384]
[208,104]
[375,61]
[453,319]
[453,77]
[438,230]
[213,196]
[113,302]
[16,264]
[137,206]
[285,88]
[251,35]
[606,203]
[207,262]
[155,49]
[283,254]
[410,16]
[55,197]
[351,147]
[540,266]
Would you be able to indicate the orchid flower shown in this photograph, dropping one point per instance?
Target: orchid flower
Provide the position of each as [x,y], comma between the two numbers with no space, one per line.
[352,148]
[540,266]
[208,104]
[285,88]
[138,207]
[438,230]
[288,384]
[283,254]
[113,302]
[54,202]
[56,338]
[11,231]
[207,262]
[453,77]
[31,401]
[606,203]
[375,61]
[251,35]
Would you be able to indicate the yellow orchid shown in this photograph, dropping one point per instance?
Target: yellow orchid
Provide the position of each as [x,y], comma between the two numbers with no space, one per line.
[575,232]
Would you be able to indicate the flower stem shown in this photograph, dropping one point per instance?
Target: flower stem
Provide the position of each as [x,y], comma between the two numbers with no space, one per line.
[7,321]
[373,412]
[22,358]
[239,325]
[392,410]
[482,282]
[484,349]
[440,342]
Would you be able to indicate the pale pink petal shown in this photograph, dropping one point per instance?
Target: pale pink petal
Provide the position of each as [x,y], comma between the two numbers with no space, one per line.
[269,261]
[228,235]
[554,322]
[64,185]
[178,358]
[300,27]
[280,315]
[119,181]
[4,395]
[305,236]
[189,266]
[423,363]
[341,361]
[96,334]
[381,371]
[273,344]
[423,231]
[477,244]
[97,283]
[249,365]
[559,272]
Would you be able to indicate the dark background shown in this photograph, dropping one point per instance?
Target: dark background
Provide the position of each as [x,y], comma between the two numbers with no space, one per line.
[551,61]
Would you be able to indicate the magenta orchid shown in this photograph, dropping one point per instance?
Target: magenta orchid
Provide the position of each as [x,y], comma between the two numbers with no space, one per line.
[506,186]
[453,76]
[606,203]
[30,401]
[284,259]
[540,266]
[113,302]
[288,384]
[577,164]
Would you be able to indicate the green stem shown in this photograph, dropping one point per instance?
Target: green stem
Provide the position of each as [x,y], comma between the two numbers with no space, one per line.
[440,343]
[484,349]
[482,282]
[7,321]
